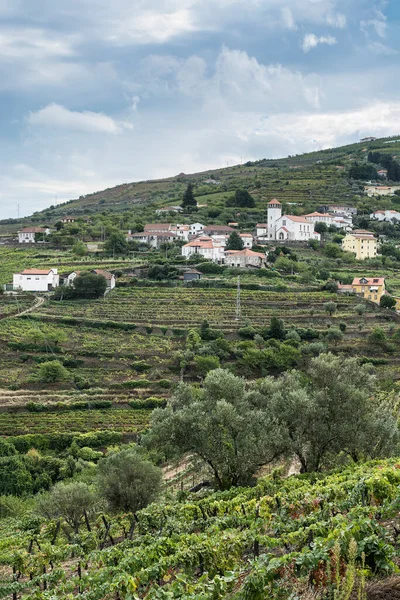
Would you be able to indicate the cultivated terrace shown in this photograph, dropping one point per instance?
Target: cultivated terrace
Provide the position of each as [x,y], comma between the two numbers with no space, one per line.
[177,424]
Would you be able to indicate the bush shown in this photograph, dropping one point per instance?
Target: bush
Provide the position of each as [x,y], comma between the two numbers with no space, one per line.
[387,301]
[127,481]
[52,371]
[204,364]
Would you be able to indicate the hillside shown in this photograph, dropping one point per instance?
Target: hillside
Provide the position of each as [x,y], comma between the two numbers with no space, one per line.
[310,180]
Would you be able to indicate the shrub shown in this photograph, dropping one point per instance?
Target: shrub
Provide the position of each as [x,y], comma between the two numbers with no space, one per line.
[52,371]
[127,481]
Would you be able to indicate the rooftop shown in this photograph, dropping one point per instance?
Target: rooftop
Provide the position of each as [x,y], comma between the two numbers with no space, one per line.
[35,271]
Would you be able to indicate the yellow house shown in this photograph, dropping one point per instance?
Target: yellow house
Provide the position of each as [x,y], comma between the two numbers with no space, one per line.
[361,243]
[371,288]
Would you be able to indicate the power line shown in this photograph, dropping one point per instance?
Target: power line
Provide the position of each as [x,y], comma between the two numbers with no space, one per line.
[238,305]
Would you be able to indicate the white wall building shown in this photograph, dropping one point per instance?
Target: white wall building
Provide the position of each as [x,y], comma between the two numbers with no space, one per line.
[27,235]
[385,215]
[288,227]
[196,228]
[36,280]
[205,246]
[244,258]
[316,217]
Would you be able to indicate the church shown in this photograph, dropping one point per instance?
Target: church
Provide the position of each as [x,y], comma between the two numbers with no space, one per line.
[286,227]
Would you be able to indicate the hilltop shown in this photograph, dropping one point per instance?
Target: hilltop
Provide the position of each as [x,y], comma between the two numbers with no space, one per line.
[306,181]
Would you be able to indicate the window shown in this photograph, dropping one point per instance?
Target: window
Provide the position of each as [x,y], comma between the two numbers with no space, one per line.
[37,278]
[284,222]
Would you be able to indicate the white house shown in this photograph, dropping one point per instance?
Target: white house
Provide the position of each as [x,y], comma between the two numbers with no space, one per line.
[317,217]
[247,239]
[205,246]
[288,227]
[168,209]
[244,258]
[380,190]
[140,237]
[385,215]
[109,277]
[196,228]
[27,234]
[36,280]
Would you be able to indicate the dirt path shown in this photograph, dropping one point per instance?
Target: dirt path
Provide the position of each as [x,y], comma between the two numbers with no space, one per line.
[38,302]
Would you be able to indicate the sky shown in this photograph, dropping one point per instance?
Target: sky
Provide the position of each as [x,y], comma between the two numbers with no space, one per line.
[94,93]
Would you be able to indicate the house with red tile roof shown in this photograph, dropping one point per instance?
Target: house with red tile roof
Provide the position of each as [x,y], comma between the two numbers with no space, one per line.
[36,280]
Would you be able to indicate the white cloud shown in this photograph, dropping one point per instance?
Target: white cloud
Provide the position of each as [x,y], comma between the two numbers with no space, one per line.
[55,115]
[378,24]
[382,49]
[237,80]
[336,20]
[35,44]
[287,18]
[311,41]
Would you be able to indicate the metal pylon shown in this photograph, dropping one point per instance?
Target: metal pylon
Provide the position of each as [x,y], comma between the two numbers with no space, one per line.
[238,306]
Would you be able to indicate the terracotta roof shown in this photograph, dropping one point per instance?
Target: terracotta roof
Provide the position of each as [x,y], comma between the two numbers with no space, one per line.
[317,214]
[296,219]
[246,252]
[220,228]
[105,274]
[138,234]
[32,230]
[163,234]
[370,281]
[35,272]
[157,226]
[262,225]
[274,201]
[245,235]
[284,229]
[201,242]
[345,287]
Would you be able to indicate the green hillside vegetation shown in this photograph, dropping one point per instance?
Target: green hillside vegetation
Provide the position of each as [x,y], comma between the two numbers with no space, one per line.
[160,441]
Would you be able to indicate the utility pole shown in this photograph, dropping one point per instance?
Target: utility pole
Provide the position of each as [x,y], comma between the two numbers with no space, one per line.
[18,210]
[238,306]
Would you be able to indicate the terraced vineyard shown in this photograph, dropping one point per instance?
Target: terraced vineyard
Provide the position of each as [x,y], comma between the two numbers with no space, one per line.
[187,307]
[126,421]
[279,538]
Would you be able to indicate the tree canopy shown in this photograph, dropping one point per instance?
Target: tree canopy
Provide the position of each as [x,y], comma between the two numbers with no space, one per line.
[189,201]
[234,242]
[241,198]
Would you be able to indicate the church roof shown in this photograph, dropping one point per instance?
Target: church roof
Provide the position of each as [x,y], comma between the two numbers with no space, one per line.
[274,201]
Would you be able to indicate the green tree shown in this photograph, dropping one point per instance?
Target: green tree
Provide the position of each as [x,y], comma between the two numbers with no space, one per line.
[90,285]
[52,371]
[116,244]
[15,478]
[286,265]
[276,329]
[360,309]
[377,337]
[218,423]
[69,501]
[80,249]
[127,481]
[387,301]
[330,307]
[332,250]
[242,198]
[330,413]
[205,364]
[334,335]
[234,242]
[189,201]
[320,227]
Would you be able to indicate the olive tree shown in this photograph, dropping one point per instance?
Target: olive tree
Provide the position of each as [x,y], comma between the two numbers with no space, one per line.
[127,481]
[218,423]
[331,413]
[71,501]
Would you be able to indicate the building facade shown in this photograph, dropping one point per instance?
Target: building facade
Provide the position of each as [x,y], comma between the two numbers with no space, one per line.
[36,280]
[205,246]
[385,215]
[27,235]
[361,243]
[244,258]
[286,227]
[371,288]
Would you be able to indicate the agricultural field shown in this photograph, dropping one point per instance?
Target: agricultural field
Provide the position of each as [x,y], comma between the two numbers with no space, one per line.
[281,537]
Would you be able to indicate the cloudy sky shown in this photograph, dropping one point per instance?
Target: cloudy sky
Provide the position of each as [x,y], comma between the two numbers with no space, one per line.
[98,92]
